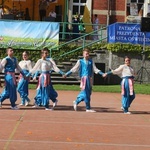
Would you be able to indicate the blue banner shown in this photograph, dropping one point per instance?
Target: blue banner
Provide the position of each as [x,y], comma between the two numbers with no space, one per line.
[127,33]
[28,34]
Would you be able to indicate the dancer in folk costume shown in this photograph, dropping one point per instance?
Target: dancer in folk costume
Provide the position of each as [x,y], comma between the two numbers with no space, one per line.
[9,64]
[43,92]
[52,92]
[127,84]
[22,88]
[86,67]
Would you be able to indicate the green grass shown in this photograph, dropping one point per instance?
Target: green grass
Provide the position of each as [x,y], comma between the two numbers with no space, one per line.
[139,88]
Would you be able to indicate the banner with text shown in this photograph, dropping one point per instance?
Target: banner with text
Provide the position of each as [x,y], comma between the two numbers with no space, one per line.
[28,34]
[127,33]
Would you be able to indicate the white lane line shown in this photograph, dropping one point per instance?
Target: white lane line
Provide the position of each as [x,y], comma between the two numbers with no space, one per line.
[14,131]
[85,143]
[79,123]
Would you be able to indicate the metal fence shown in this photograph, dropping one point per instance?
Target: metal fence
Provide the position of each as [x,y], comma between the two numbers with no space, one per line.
[83,39]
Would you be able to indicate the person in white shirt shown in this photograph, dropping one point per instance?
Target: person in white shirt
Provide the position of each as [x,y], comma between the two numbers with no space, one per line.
[43,65]
[23,83]
[96,27]
[52,14]
[1,11]
[52,92]
[127,84]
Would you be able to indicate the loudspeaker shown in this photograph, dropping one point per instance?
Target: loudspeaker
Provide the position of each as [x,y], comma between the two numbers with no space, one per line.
[51,19]
[145,24]
[8,16]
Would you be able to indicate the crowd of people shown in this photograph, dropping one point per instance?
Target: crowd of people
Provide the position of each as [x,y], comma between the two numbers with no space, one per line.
[78,27]
[45,91]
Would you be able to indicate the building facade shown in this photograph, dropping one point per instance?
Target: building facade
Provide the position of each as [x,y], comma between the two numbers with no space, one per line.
[108,11]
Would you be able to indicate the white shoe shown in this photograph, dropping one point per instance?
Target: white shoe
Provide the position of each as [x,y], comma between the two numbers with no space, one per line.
[27,103]
[35,106]
[127,113]
[90,110]
[0,104]
[14,108]
[75,105]
[21,104]
[48,109]
[122,108]
[55,103]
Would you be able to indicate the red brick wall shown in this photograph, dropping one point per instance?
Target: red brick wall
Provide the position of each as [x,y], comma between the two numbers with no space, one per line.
[102,19]
[116,18]
[116,5]
[100,4]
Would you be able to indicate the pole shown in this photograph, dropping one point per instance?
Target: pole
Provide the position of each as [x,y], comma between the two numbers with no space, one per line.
[110,53]
[108,13]
[65,18]
[143,59]
[33,9]
[108,22]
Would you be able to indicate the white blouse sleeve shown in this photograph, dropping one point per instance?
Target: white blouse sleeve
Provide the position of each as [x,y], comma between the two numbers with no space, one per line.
[54,66]
[95,69]
[76,67]
[118,70]
[36,67]
[1,67]
[3,62]
[29,65]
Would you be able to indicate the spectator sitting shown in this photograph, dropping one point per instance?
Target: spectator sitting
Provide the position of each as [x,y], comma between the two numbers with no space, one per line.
[52,14]
[1,11]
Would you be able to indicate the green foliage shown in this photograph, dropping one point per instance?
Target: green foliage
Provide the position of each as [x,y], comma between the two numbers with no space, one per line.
[33,54]
[61,53]
[121,47]
[99,46]
[68,52]
[131,48]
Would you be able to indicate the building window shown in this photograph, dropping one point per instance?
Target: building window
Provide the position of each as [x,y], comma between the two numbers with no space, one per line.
[134,7]
[75,1]
[78,7]
[83,1]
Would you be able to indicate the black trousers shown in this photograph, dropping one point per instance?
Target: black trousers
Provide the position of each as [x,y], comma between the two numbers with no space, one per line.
[42,14]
